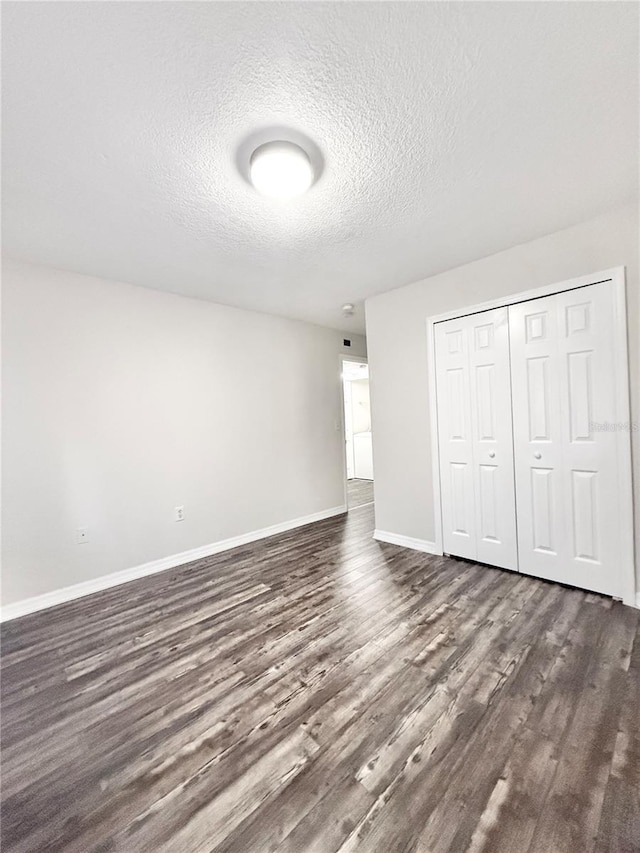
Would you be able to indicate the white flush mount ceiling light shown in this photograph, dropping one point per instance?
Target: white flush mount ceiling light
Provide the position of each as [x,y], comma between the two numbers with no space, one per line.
[281,170]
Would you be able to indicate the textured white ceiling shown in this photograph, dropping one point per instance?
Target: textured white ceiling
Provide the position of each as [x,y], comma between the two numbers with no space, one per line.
[450,131]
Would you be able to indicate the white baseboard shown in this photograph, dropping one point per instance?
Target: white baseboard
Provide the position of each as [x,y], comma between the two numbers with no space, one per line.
[407,542]
[638,600]
[69,593]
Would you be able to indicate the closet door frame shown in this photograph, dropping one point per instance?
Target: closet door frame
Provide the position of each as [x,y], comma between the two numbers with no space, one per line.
[615,277]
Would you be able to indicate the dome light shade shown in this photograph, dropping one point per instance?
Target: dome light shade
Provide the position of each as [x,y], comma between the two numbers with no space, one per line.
[280,170]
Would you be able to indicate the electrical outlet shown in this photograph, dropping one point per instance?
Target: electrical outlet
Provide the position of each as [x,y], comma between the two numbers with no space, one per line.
[82,535]
[179,513]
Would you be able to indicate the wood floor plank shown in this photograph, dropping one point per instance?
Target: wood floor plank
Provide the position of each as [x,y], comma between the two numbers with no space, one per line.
[619,830]
[320,691]
[511,813]
[359,493]
[572,813]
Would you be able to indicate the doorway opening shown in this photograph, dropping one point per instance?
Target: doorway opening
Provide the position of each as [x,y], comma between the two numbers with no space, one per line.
[357,433]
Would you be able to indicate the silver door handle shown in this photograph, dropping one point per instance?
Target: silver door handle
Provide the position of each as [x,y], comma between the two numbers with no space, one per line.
[537,455]
[491,454]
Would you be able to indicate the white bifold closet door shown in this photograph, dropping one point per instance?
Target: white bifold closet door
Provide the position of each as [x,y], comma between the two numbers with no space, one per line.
[526,401]
[476,438]
[563,381]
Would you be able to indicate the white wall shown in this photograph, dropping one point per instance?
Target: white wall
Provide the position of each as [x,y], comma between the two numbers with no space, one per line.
[396,336]
[120,403]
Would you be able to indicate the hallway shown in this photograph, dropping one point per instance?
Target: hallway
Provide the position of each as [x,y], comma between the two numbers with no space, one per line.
[359,493]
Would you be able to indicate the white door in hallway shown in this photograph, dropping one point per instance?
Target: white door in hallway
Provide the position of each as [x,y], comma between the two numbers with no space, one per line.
[475,438]
[564,407]
[362,456]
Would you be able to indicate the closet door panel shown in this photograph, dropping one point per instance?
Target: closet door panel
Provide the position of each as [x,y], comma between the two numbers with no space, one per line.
[586,371]
[454,438]
[565,456]
[488,337]
[475,438]
[537,436]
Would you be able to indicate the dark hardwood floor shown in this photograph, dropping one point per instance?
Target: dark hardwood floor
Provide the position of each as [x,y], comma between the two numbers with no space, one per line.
[359,493]
[319,691]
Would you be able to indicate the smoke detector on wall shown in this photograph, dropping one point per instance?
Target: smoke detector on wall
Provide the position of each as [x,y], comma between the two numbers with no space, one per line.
[348,309]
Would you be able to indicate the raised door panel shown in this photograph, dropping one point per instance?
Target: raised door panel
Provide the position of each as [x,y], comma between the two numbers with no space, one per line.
[580,395]
[544,533]
[485,379]
[488,504]
[538,390]
[586,534]
[461,486]
[456,404]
